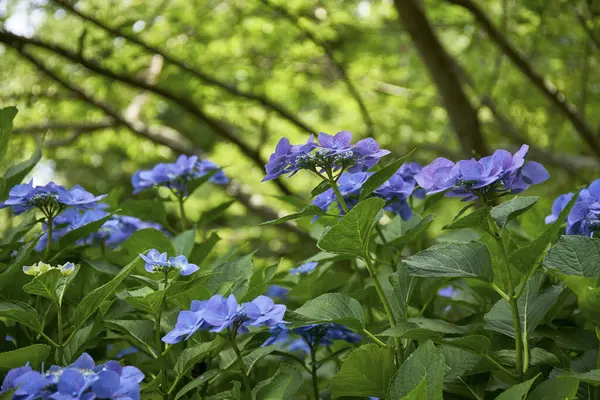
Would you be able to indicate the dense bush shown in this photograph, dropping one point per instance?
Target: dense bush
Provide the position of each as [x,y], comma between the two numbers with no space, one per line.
[494,309]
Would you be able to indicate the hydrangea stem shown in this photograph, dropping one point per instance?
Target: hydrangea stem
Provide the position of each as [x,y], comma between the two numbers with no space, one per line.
[313,370]
[238,354]
[164,387]
[59,322]
[513,300]
[184,221]
[597,389]
[49,220]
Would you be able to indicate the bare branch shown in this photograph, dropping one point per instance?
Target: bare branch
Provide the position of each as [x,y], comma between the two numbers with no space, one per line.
[461,112]
[338,66]
[547,88]
[194,71]
[220,129]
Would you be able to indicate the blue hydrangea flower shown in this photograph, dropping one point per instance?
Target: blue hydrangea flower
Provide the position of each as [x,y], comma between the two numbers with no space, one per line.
[497,174]
[332,153]
[220,313]
[448,291]
[175,176]
[51,198]
[157,262]
[584,218]
[307,337]
[304,269]
[277,291]
[81,380]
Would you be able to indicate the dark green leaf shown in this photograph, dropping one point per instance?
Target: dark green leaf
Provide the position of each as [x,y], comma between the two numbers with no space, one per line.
[575,255]
[308,211]
[7,115]
[35,355]
[399,233]
[565,388]
[202,379]
[477,343]
[80,233]
[518,391]
[320,188]
[283,385]
[211,215]
[352,234]
[193,355]
[15,174]
[22,313]
[184,243]
[477,219]
[511,209]
[453,260]
[381,176]
[365,372]
[332,307]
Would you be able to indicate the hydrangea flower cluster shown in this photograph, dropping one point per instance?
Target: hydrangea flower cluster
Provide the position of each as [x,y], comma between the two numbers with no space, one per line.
[50,199]
[80,380]
[157,262]
[395,191]
[40,268]
[332,153]
[219,313]
[584,218]
[176,176]
[304,269]
[112,233]
[497,174]
[308,337]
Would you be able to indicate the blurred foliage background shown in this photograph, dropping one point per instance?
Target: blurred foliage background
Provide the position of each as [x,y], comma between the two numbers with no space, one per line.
[119,85]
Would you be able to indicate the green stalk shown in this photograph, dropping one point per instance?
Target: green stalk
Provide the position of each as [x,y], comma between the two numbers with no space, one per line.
[60,334]
[313,372]
[184,221]
[513,301]
[49,219]
[160,346]
[238,354]
[597,388]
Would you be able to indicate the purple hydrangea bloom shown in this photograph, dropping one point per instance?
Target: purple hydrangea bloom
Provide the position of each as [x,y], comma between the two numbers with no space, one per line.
[584,217]
[157,262]
[307,337]
[304,269]
[220,313]
[181,263]
[80,380]
[349,186]
[500,173]
[332,153]
[176,175]
[51,198]
[277,291]
[448,291]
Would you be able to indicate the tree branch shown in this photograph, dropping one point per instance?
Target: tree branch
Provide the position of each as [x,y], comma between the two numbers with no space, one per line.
[461,112]
[194,71]
[589,32]
[547,88]
[338,66]
[18,42]
[178,144]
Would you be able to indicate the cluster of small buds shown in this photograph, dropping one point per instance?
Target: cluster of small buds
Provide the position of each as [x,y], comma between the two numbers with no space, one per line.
[40,268]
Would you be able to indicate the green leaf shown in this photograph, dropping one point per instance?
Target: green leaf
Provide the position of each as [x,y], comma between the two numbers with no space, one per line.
[24,252]
[332,307]
[526,257]
[91,302]
[511,209]
[459,362]
[477,219]
[283,385]
[533,305]
[210,215]
[365,372]
[403,285]
[146,239]
[320,188]
[202,379]
[352,234]
[232,277]
[201,251]
[453,260]
[146,210]
[80,338]
[256,355]
[45,285]
[537,356]
[7,115]
[308,211]
[381,176]
[575,255]
[518,391]
[425,328]
[427,362]
[80,233]
[22,313]
[15,174]
[196,183]
[399,233]
[146,299]
[418,393]
[193,355]
[141,331]
[35,355]
[184,243]
[565,388]
[477,343]
[591,377]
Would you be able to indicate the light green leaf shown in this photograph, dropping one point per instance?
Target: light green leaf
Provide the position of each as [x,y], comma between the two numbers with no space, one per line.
[16,267]
[565,388]
[427,362]
[202,379]
[141,331]
[320,188]
[477,343]
[332,307]
[308,211]
[477,219]
[35,355]
[146,300]
[518,391]
[365,372]
[381,176]
[232,277]
[209,216]
[283,385]
[352,234]
[418,393]
[78,341]
[192,355]
[453,260]
[146,239]
[91,302]
[258,354]
[7,115]
[399,233]
[575,255]
[15,174]
[184,243]
[22,313]
[425,328]
[533,305]
[45,285]
[459,362]
[403,285]
[511,209]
